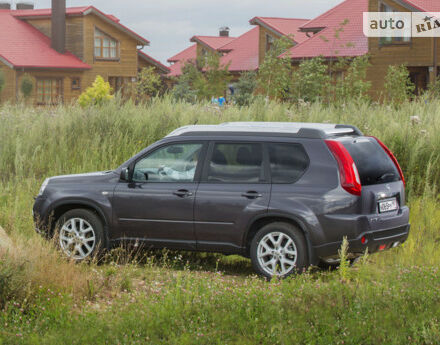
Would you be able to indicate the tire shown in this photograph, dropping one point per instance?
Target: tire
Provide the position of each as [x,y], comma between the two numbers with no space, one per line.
[287,263]
[80,234]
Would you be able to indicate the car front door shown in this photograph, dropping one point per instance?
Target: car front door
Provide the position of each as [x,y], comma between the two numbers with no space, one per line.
[158,204]
[234,190]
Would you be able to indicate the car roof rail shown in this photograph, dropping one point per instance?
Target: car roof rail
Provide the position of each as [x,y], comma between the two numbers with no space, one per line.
[289,129]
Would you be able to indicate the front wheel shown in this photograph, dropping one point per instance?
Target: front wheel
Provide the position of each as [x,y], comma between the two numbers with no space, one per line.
[278,249]
[80,234]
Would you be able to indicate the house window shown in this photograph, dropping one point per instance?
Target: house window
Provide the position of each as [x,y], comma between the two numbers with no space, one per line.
[390,40]
[49,91]
[76,84]
[106,47]
[269,42]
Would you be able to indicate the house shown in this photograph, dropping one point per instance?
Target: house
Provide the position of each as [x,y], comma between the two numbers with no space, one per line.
[243,53]
[65,49]
[420,55]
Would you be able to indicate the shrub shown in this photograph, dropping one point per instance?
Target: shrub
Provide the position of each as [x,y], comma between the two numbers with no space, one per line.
[149,83]
[353,84]
[311,80]
[244,88]
[274,73]
[434,88]
[398,85]
[27,85]
[97,94]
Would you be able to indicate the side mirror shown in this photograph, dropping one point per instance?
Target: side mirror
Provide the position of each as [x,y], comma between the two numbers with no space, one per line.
[125,174]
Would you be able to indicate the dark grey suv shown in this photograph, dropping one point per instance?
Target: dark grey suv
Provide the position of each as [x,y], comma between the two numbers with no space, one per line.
[284,194]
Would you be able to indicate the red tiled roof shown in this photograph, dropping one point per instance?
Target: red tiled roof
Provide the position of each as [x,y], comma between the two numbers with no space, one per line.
[284,26]
[179,60]
[85,10]
[153,61]
[425,5]
[215,42]
[186,54]
[23,46]
[243,52]
[351,41]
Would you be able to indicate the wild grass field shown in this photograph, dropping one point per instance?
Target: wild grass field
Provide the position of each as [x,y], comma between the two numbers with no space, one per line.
[186,298]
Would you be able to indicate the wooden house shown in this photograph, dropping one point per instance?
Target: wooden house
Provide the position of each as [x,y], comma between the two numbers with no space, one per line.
[64,49]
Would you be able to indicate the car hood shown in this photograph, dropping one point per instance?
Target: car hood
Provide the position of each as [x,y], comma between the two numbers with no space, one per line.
[82,178]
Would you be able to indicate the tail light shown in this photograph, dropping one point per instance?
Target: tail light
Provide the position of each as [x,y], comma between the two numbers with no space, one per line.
[350,180]
[393,158]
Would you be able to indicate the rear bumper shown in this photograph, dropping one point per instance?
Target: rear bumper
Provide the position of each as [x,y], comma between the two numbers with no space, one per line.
[374,241]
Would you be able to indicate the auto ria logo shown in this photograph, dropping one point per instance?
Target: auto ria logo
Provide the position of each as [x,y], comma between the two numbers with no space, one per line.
[401,24]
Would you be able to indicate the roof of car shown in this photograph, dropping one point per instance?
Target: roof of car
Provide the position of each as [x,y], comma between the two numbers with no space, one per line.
[291,129]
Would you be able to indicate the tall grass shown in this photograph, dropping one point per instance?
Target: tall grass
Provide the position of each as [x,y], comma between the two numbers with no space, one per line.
[389,298]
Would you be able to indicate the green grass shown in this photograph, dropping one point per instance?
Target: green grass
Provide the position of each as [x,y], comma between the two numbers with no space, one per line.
[186,298]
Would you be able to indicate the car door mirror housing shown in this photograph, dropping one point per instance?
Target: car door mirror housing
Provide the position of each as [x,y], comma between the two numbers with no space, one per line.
[125,174]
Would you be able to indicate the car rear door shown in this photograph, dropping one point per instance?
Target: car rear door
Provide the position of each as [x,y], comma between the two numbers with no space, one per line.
[234,189]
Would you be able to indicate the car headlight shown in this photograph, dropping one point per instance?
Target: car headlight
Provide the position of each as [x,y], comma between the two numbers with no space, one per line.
[43,186]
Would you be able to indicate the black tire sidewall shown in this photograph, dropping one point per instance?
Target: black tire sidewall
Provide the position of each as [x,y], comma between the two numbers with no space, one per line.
[294,233]
[96,223]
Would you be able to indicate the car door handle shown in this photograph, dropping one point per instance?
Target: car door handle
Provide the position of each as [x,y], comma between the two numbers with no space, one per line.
[252,195]
[182,193]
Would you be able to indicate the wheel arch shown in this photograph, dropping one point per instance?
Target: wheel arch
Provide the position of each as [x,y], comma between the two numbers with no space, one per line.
[263,220]
[64,206]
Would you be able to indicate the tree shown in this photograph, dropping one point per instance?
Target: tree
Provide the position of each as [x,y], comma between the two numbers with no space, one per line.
[205,78]
[311,80]
[26,85]
[353,84]
[149,83]
[274,73]
[398,85]
[244,88]
[97,94]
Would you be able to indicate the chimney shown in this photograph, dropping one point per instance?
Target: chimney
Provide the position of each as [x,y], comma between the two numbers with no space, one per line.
[224,31]
[59,25]
[5,5]
[24,6]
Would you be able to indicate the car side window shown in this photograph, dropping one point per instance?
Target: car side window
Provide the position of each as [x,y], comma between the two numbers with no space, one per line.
[171,163]
[287,162]
[236,163]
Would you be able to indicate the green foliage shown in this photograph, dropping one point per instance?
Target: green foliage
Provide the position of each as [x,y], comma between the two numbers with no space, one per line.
[387,303]
[353,84]
[244,88]
[398,85]
[274,73]
[97,94]
[434,88]
[149,83]
[311,80]
[203,79]
[27,85]
[2,80]
[344,263]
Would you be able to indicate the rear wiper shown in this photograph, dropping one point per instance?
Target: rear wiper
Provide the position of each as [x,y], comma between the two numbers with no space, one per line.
[385,176]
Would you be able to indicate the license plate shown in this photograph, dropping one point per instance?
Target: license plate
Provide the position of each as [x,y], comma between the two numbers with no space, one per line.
[388,205]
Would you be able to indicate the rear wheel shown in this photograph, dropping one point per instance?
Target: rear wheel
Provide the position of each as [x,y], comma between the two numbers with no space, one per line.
[278,249]
[80,234]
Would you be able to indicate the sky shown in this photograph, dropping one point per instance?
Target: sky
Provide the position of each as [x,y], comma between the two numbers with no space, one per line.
[169,24]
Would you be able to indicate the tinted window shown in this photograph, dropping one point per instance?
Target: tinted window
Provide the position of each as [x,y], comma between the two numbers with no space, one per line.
[373,163]
[287,162]
[171,163]
[236,163]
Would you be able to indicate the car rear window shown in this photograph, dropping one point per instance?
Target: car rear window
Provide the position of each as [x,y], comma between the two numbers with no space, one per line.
[287,162]
[373,163]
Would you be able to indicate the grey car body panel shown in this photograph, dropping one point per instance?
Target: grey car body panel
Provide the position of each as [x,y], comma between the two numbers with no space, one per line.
[216,217]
